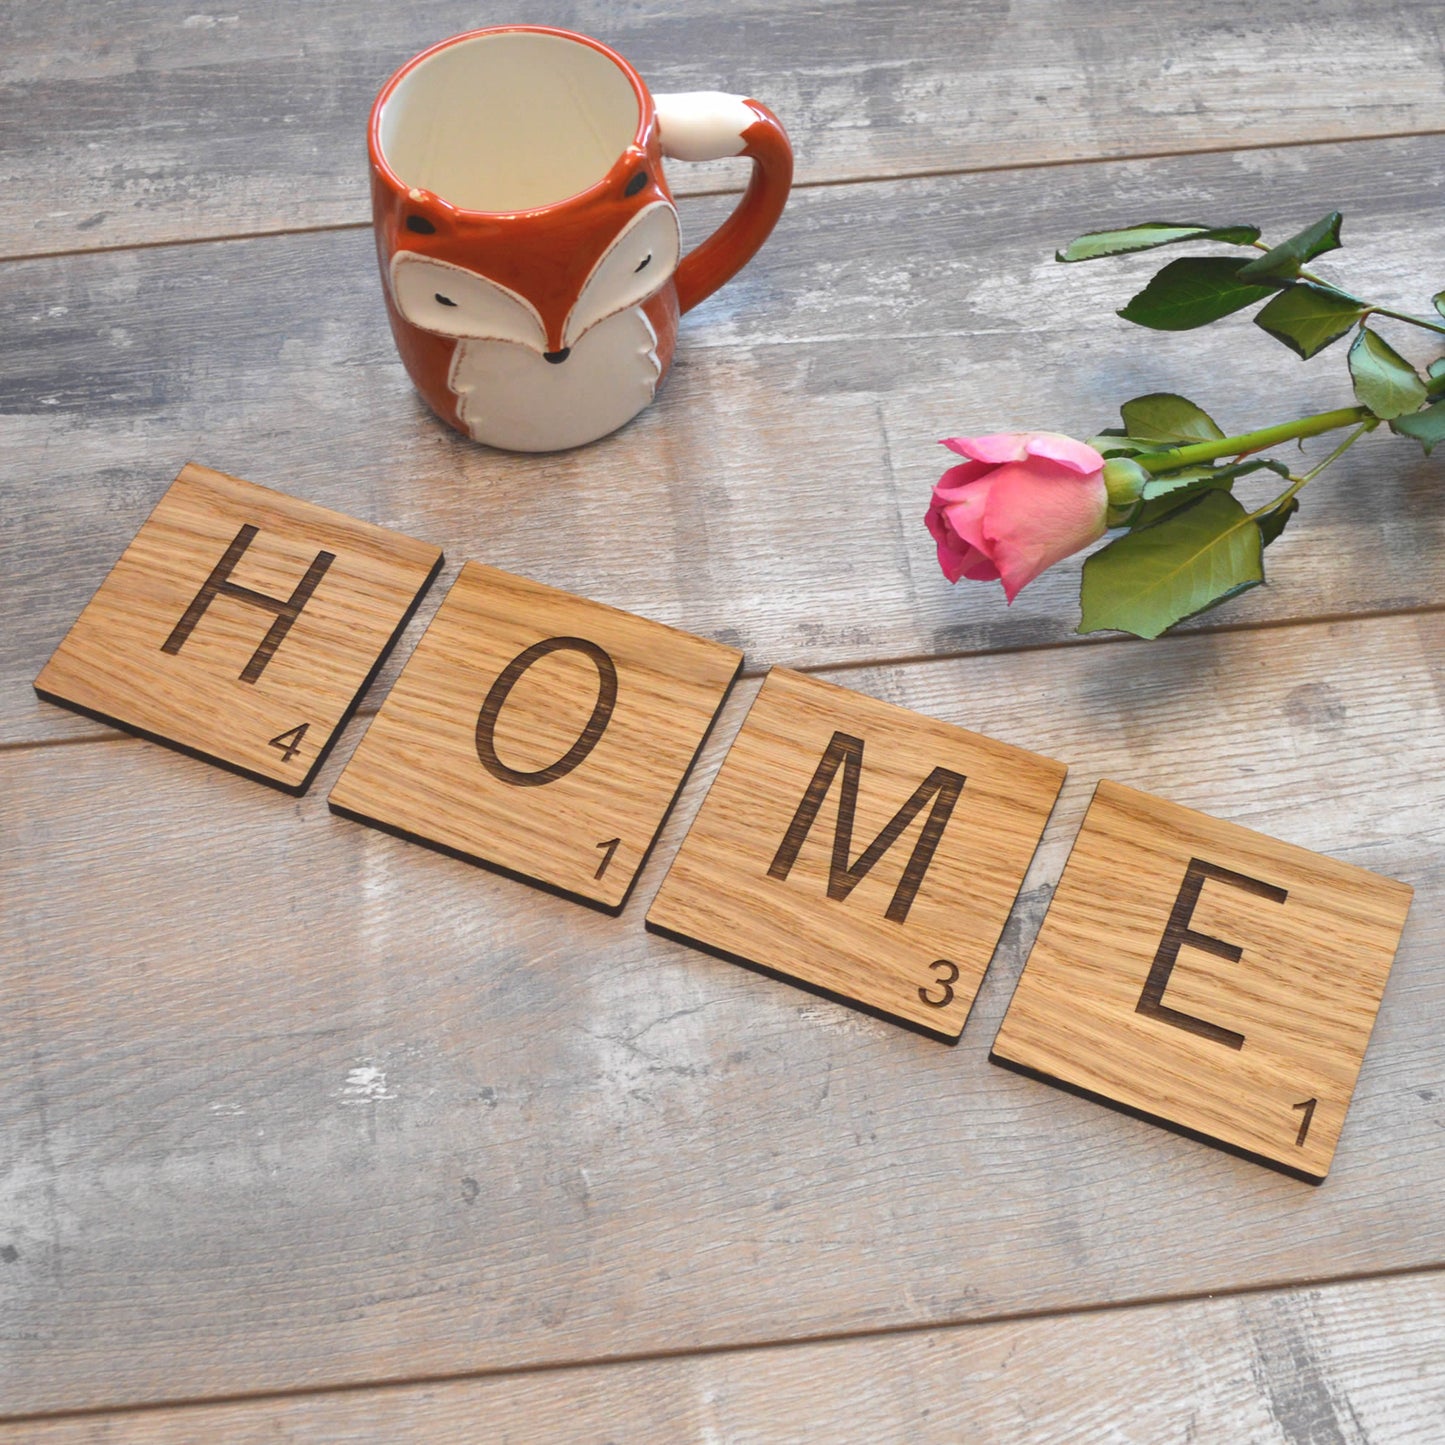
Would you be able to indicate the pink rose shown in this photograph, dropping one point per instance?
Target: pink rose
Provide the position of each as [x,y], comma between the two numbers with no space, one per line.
[1020,503]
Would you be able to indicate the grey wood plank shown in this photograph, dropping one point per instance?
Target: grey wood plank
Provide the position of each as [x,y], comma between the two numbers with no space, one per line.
[1362,1362]
[287,1102]
[153,120]
[773,495]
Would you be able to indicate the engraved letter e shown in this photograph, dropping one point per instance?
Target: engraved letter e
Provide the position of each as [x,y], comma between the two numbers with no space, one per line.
[1178,932]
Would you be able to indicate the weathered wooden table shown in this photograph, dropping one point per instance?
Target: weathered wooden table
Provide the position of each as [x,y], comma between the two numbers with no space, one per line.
[310,1134]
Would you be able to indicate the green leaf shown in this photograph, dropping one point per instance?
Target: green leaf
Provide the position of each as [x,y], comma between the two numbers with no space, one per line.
[1439,299]
[1384,381]
[1283,262]
[1190,292]
[1149,234]
[1435,375]
[1240,469]
[1167,482]
[1307,317]
[1112,441]
[1273,523]
[1197,557]
[1170,490]
[1154,508]
[1164,417]
[1427,427]
[1162,486]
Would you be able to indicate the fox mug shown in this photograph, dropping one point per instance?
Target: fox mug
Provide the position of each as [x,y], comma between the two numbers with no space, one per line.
[528,241]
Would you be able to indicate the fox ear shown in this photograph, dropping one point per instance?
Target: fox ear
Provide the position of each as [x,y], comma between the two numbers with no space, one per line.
[452,301]
[637,263]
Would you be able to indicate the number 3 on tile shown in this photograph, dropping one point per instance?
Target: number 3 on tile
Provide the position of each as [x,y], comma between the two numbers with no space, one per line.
[947,976]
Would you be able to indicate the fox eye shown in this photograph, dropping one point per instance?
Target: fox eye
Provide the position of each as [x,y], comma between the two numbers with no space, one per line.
[420,225]
[445,300]
[636,184]
[642,264]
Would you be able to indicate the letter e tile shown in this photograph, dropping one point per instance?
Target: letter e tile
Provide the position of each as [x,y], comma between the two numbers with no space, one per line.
[860,850]
[539,733]
[1207,977]
[241,625]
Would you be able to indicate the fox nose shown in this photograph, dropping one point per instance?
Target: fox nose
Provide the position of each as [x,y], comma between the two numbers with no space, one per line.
[556,357]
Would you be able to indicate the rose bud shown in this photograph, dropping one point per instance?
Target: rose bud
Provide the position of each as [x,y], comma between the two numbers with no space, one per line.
[1124,480]
[1019,503]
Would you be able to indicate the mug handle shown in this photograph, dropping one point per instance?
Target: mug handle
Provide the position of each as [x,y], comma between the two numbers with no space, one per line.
[708,125]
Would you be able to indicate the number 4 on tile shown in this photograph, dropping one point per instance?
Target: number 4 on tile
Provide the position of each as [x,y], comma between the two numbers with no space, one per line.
[289,742]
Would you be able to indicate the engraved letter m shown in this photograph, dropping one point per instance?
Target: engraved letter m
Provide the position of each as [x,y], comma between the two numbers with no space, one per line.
[941,785]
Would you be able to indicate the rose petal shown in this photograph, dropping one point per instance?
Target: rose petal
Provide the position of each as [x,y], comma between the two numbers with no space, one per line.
[1040,512]
[957,562]
[952,555]
[940,530]
[956,557]
[995,448]
[965,510]
[1077,456]
[965,474]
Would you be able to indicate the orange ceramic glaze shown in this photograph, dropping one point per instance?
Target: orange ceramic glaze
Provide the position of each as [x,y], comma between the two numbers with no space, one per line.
[527,237]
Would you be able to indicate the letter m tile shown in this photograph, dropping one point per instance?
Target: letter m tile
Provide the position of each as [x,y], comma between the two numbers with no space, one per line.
[941,787]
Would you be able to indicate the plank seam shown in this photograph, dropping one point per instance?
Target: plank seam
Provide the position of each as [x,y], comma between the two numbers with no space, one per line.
[821,183]
[1275,1287]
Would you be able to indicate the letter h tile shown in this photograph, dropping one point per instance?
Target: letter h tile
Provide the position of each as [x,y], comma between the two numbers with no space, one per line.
[241,625]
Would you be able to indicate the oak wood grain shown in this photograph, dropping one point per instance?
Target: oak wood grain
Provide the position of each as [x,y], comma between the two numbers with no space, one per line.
[241,625]
[156,121]
[1363,1362]
[1224,1010]
[289,1102]
[861,849]
[772,496]
[532,728]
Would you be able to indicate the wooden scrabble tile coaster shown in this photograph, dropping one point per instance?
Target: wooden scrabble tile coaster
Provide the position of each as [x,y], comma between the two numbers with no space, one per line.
[1207,977]
[241,625]
[539,732]
[861,850]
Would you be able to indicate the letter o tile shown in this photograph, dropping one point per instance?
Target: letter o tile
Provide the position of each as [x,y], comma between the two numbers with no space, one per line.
[539,733]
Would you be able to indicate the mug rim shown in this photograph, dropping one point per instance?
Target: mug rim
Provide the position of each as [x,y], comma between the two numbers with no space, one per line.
[383,168]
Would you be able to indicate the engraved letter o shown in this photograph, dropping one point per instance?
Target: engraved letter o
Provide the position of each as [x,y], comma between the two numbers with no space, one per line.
[501,689]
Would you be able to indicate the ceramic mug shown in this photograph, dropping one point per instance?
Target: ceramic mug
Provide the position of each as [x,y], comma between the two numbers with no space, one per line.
[528,241]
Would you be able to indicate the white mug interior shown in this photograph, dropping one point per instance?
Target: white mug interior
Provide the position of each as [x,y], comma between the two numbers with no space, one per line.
[510,121]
